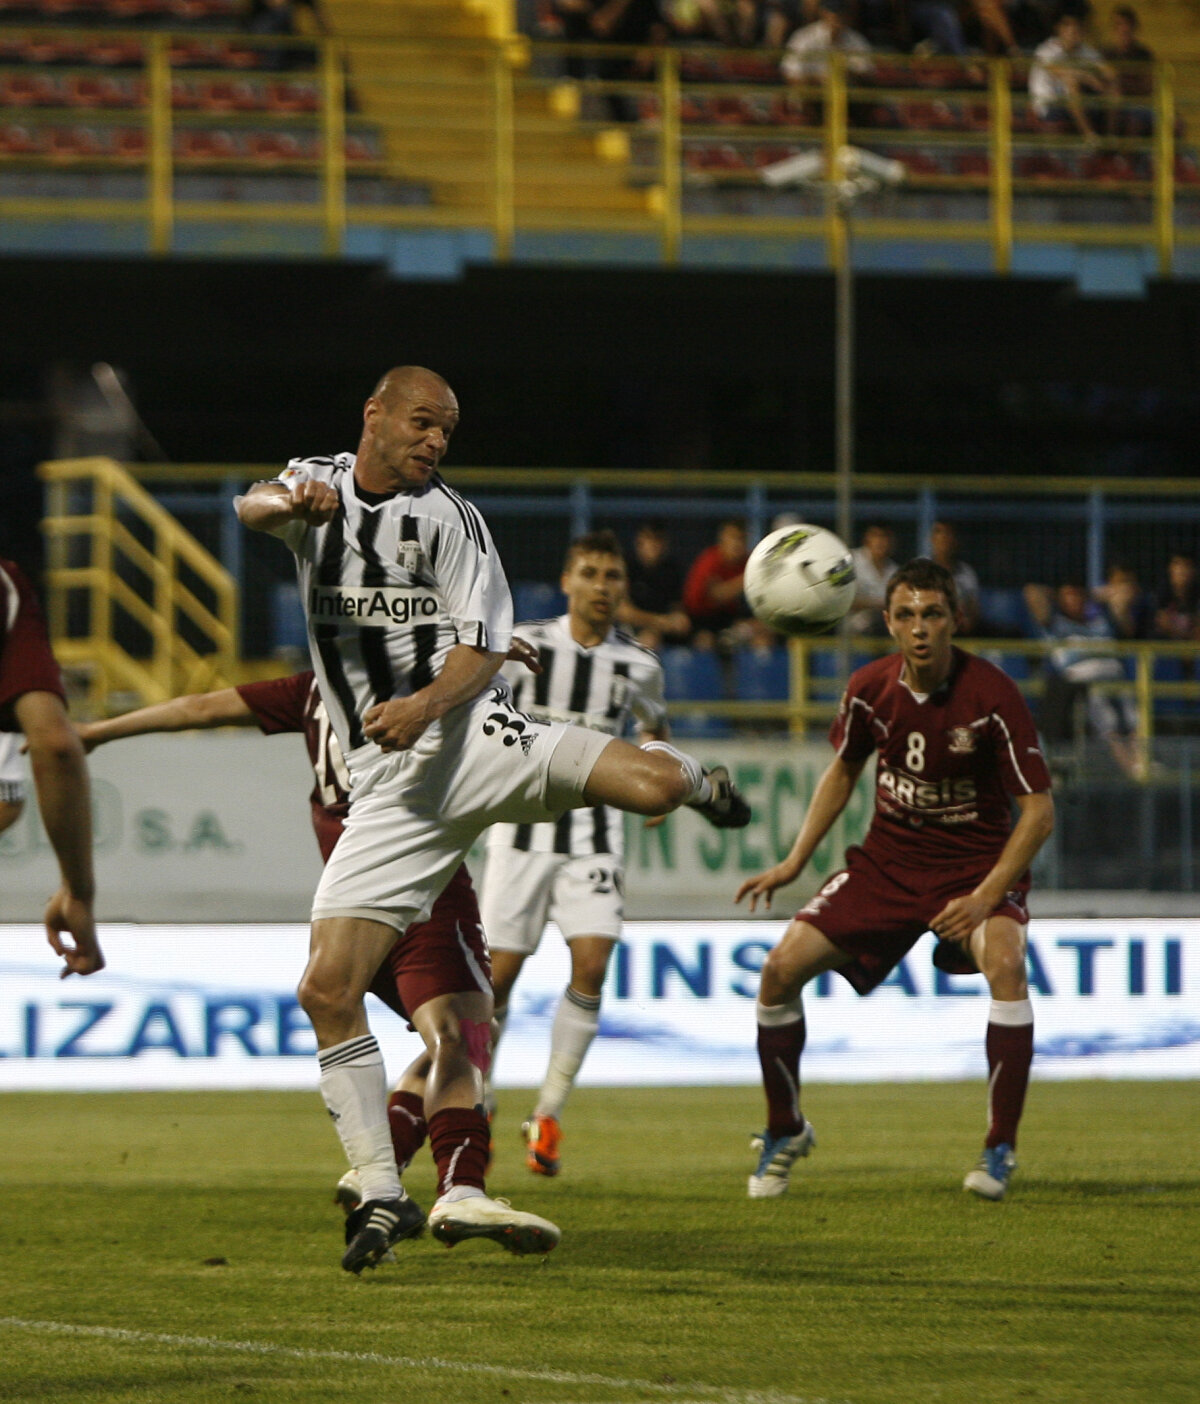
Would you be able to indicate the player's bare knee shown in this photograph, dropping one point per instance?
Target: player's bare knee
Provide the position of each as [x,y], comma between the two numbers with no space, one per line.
[323,1002]
[666,788]
[1006,975]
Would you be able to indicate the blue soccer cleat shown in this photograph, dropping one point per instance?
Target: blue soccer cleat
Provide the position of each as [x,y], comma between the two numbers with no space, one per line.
[989,1179]
[777,1156]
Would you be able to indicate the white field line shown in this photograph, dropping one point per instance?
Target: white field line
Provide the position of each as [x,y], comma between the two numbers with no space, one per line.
[683,1392]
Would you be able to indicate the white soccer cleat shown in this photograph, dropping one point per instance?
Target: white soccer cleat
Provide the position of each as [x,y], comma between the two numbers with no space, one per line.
[481,1217]
[777,1155]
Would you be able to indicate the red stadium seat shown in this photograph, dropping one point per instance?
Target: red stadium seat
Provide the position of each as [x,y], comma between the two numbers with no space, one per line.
[16,140]
[130,144]
[32,90]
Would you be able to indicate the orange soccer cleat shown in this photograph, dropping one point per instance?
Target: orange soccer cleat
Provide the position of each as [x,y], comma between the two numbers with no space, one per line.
[542,1135]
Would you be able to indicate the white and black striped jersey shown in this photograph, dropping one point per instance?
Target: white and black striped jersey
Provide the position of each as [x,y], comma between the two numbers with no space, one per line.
[389,586]
[12,768]
[603,687]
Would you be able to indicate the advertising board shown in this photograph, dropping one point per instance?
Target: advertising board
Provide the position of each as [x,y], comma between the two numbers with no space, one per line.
[206,1005]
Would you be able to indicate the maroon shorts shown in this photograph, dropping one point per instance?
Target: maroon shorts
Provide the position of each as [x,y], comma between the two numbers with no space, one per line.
[877,914]
[445,955]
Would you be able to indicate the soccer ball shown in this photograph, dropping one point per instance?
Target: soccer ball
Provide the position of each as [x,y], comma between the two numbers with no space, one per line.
[800,580]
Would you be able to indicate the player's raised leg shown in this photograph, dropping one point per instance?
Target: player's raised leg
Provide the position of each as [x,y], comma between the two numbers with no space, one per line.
[998,946]
[345,953]
[657,778]
[800,956]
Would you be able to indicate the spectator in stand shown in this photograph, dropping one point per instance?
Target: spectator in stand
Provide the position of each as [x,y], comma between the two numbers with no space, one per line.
[1063,68]
[873,567]
[1129,607]
[1009,26]
[1127,48]
[943,548]
[1070,616]
[626,22]
[806,57]
[653,605]
[712,592]
[740,24]
[1178,612]
[281,18]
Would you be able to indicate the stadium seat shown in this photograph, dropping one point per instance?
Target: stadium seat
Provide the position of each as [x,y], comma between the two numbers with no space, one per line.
[1003,610]
[535,599]
[1016,665]
[1171,670]
[760,676]
[692,675]
[288,629]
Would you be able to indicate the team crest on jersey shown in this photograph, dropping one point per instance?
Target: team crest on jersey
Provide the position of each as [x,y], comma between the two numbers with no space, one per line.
[620,691]
[962,740]
[409,556]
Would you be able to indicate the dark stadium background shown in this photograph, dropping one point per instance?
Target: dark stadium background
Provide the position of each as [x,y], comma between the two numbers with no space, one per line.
[255,361]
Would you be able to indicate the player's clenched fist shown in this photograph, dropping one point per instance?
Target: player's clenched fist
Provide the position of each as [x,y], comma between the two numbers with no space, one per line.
[314,502]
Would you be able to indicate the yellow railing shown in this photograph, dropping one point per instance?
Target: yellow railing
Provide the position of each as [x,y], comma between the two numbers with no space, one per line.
[626,152]
[814,698]
[134,602]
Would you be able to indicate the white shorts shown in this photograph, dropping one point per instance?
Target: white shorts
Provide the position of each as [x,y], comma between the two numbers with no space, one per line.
[585,896]
[414,814]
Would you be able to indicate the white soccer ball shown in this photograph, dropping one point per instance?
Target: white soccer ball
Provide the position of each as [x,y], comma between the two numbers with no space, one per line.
[800,580]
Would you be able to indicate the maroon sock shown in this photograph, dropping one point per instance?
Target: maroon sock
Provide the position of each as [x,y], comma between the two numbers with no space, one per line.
[406,1117]
[779,1049]
[1009,1054]
[459,1139]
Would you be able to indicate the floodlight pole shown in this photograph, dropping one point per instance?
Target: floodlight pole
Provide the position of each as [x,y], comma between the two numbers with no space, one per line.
[843,365]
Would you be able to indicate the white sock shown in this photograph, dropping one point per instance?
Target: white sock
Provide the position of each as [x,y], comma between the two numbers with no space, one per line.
[701,785]
[772,1016]
[452,1196]
[576,1023]
[1013,1012]
[354,1089]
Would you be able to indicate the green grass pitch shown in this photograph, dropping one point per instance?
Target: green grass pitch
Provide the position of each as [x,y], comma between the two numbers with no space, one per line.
[163,1247]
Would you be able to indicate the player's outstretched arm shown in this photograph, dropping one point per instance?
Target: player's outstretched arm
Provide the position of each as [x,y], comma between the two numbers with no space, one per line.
[1035,823]
[269,506]
[398,724]
[829,799]
[197,711]
[60,778]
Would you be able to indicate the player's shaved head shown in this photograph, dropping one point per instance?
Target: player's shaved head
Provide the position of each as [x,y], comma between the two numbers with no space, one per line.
[402,383]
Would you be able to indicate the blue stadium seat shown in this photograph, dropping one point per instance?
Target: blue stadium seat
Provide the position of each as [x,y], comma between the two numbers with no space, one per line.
[534,599]
[1016,665]
[693,676]
[1171,670]
[288,630]
[759,676]
[1004,609]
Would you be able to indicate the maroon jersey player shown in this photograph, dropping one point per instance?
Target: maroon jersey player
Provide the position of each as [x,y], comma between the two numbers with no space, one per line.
[32,701]
[956,747]
[431,959]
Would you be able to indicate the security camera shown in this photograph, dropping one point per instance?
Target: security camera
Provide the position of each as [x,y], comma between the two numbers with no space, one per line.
[806,167]
[854,161]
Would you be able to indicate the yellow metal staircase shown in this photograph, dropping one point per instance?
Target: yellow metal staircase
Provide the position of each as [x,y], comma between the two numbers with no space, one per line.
[439,115]
[135,603]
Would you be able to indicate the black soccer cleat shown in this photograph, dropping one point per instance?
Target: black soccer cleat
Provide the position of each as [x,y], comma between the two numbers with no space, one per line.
[373,1227]
[726,809]
[953,958]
